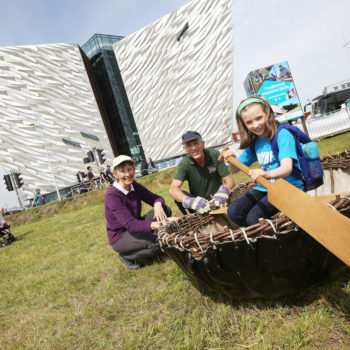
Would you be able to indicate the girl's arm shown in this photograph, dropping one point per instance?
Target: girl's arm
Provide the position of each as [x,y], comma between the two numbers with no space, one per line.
[282,171]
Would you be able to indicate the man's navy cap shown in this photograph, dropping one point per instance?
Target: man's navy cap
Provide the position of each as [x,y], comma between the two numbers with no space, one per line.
[190,135]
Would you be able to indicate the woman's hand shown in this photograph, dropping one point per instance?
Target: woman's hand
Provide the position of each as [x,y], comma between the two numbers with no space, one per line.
[159,213]
[255,173]
[156,225]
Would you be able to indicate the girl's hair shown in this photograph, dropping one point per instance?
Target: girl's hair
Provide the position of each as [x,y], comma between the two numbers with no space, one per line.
[247,137]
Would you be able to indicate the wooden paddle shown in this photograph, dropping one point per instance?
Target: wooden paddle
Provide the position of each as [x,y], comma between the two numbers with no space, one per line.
[324,224]
[324,199]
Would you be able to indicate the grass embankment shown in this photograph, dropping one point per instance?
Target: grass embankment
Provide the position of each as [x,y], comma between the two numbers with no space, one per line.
[62,287]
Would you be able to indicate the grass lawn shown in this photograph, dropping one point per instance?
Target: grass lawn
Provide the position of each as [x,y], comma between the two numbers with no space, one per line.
[62,287]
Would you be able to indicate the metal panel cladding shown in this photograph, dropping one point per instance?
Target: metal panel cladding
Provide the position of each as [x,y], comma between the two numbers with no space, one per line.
[179,85]
[46,102]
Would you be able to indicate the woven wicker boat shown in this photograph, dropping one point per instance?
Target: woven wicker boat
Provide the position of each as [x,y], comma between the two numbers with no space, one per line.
[272,258]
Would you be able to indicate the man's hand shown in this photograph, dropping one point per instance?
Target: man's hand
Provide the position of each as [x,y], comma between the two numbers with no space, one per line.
[221,196]
[196,203]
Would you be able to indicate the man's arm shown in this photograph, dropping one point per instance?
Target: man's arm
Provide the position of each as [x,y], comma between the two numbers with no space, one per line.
[175,190]
[228,181]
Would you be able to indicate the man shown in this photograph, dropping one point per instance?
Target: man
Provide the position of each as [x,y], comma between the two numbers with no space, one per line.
[38,199]
[283,73]
[204,173]
[109,175]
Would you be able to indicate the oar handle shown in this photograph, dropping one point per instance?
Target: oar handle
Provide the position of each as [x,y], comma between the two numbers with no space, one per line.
[260,180]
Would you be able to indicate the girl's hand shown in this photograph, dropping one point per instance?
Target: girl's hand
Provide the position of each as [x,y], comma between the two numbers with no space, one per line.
[228,153]
[255,173]
[159,213]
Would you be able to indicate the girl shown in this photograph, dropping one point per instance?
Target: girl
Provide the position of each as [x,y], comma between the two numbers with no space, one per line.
[257,127]
[132,236]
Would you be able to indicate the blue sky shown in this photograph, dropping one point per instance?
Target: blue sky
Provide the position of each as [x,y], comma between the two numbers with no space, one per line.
[310,35]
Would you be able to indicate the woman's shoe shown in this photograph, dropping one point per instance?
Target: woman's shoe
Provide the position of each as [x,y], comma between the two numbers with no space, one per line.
[130,264]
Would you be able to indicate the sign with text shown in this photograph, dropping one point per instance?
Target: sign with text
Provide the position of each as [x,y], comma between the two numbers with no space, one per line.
[275,83]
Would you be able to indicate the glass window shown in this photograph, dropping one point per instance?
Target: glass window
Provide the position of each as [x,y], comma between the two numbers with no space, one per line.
[71,143]
[89,136]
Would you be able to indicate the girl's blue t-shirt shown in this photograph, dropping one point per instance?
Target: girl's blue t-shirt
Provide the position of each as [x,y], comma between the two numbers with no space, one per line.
[263,154]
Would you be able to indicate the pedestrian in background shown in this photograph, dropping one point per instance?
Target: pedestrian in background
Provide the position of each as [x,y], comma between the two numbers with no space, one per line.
[109,175]
[103,178]
[90,177]
[151,166]
[38,199]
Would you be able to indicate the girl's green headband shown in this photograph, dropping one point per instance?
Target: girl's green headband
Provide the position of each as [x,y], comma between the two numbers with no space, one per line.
[248,102]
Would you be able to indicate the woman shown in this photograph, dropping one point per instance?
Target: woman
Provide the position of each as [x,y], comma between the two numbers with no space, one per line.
[129,234]
[103,178]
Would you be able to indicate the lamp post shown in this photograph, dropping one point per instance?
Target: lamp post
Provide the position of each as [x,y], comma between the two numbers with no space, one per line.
[47,153]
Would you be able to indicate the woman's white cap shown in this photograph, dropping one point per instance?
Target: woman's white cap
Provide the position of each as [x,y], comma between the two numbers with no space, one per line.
[121,159]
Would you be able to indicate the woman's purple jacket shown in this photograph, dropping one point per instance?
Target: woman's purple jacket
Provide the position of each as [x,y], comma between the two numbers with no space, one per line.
[123,212]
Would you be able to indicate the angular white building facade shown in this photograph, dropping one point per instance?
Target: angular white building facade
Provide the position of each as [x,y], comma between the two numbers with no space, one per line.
[49,116]
[185,84]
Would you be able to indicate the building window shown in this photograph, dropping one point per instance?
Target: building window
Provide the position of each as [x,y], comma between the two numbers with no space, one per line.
[182,32]
[71,143]
[89,136]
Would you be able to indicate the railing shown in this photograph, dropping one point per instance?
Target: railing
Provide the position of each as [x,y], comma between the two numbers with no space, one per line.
[327,124]
[67,192]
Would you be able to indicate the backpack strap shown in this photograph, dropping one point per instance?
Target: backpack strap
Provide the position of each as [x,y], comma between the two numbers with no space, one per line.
[299,137]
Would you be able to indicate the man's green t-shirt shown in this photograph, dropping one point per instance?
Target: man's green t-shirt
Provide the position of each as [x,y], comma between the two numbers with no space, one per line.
[204,181]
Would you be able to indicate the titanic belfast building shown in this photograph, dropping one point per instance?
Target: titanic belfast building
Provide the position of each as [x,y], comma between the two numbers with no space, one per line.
[134,95]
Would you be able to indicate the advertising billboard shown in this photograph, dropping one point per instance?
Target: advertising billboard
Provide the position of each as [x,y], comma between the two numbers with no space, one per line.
[275,83]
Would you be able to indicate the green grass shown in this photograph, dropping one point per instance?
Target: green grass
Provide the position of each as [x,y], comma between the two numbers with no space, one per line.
[62,287]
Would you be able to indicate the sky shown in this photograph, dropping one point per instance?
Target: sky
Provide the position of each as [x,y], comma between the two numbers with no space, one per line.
[310,35]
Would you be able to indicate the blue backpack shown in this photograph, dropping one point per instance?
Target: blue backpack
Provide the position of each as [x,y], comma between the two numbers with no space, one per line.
[308,156]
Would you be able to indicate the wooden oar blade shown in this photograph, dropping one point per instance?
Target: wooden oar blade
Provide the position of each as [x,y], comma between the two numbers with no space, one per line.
[219,211]
[324,224]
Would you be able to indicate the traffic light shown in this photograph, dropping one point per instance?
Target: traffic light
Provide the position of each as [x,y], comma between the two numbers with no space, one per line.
[90,157]
[100,155]
[8,183]
[19,180]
